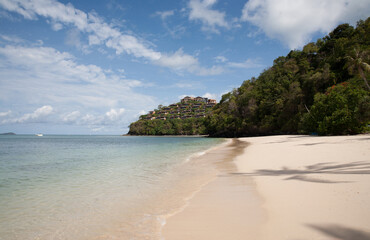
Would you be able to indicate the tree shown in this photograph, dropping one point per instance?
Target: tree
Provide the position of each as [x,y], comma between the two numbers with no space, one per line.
[356,62]
[319,89]
[342,109]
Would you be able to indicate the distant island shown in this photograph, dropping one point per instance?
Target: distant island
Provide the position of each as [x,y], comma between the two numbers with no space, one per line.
[8,133]
[322,89]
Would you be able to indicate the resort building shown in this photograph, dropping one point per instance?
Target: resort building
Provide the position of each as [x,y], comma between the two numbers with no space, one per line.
[200,99]
[187,99]
[212,101]
[190,107]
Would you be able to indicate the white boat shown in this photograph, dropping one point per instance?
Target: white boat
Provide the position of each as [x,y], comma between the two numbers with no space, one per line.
[39,134]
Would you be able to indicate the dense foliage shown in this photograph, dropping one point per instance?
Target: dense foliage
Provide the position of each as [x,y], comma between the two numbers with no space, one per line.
[182,118]
[322,89]
[190,126]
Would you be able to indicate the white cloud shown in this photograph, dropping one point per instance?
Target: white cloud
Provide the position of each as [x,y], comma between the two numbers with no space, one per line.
[221,59]
[81,93]
[5,114]
[214,70]
[178,60]
[99,32]
[184,85]
[188,84]
[181,61]
[71,117]
[91,120]
[115,114]
[12,39]
[98,129]
[164,14]
[142,112]
[249,63]
[56,26]
[112,117]
[200,10]
[177,30]
[210,95]
[294,22]
[37,116]
[182,96]
[73,38]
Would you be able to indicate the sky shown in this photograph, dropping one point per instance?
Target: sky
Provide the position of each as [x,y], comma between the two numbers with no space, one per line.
[93,67]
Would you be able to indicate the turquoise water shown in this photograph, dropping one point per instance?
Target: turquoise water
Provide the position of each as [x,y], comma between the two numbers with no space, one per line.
[96,187]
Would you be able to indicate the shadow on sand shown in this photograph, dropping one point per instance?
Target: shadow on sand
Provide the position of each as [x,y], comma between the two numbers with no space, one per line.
[341,232]
[320,168]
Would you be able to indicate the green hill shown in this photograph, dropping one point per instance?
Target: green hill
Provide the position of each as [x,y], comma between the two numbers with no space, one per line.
[321,89]
[183,118]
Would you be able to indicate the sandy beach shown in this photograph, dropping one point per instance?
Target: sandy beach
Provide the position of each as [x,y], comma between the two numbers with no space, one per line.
[283,187]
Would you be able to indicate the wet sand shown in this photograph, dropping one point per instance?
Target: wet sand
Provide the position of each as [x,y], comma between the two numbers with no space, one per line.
[283,187]
[226,208]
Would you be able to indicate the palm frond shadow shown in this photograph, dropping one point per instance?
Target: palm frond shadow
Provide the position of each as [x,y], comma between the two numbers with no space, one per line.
[359,167]
[341,232]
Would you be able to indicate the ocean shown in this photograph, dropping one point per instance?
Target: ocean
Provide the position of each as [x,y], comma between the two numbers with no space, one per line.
[97,187]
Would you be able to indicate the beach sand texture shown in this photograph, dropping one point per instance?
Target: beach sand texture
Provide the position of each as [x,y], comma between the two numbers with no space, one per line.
[283,187]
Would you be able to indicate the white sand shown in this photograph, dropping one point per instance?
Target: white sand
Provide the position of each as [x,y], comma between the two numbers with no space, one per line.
[284,187]
[312,187]
[226,208]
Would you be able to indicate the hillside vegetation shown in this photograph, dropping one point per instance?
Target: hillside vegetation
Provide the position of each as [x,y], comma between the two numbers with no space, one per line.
[321,89]
[182,118]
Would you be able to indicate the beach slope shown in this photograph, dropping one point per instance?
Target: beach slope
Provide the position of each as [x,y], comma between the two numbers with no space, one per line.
[284,187]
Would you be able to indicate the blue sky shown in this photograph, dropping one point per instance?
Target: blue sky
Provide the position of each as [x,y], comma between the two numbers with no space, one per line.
[93,67]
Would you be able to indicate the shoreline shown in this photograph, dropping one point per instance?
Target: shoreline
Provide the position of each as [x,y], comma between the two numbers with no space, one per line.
[219,204]
[283,187]
[130,135]
[104,187]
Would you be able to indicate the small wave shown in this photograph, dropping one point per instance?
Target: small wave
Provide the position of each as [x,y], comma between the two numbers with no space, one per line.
[199,154]
[194,155]
[162,219]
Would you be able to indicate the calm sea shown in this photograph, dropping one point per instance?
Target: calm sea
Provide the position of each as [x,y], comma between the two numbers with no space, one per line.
[96,187]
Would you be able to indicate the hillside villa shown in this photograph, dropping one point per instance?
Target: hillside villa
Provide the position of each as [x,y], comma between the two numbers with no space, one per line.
[188,107]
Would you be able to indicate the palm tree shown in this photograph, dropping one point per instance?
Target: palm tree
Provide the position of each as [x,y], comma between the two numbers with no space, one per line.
[356,62]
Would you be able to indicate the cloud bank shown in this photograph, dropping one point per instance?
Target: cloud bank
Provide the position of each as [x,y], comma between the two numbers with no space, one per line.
[69,92]
[201,10]
[39,115]
[294,22]
[101,33]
